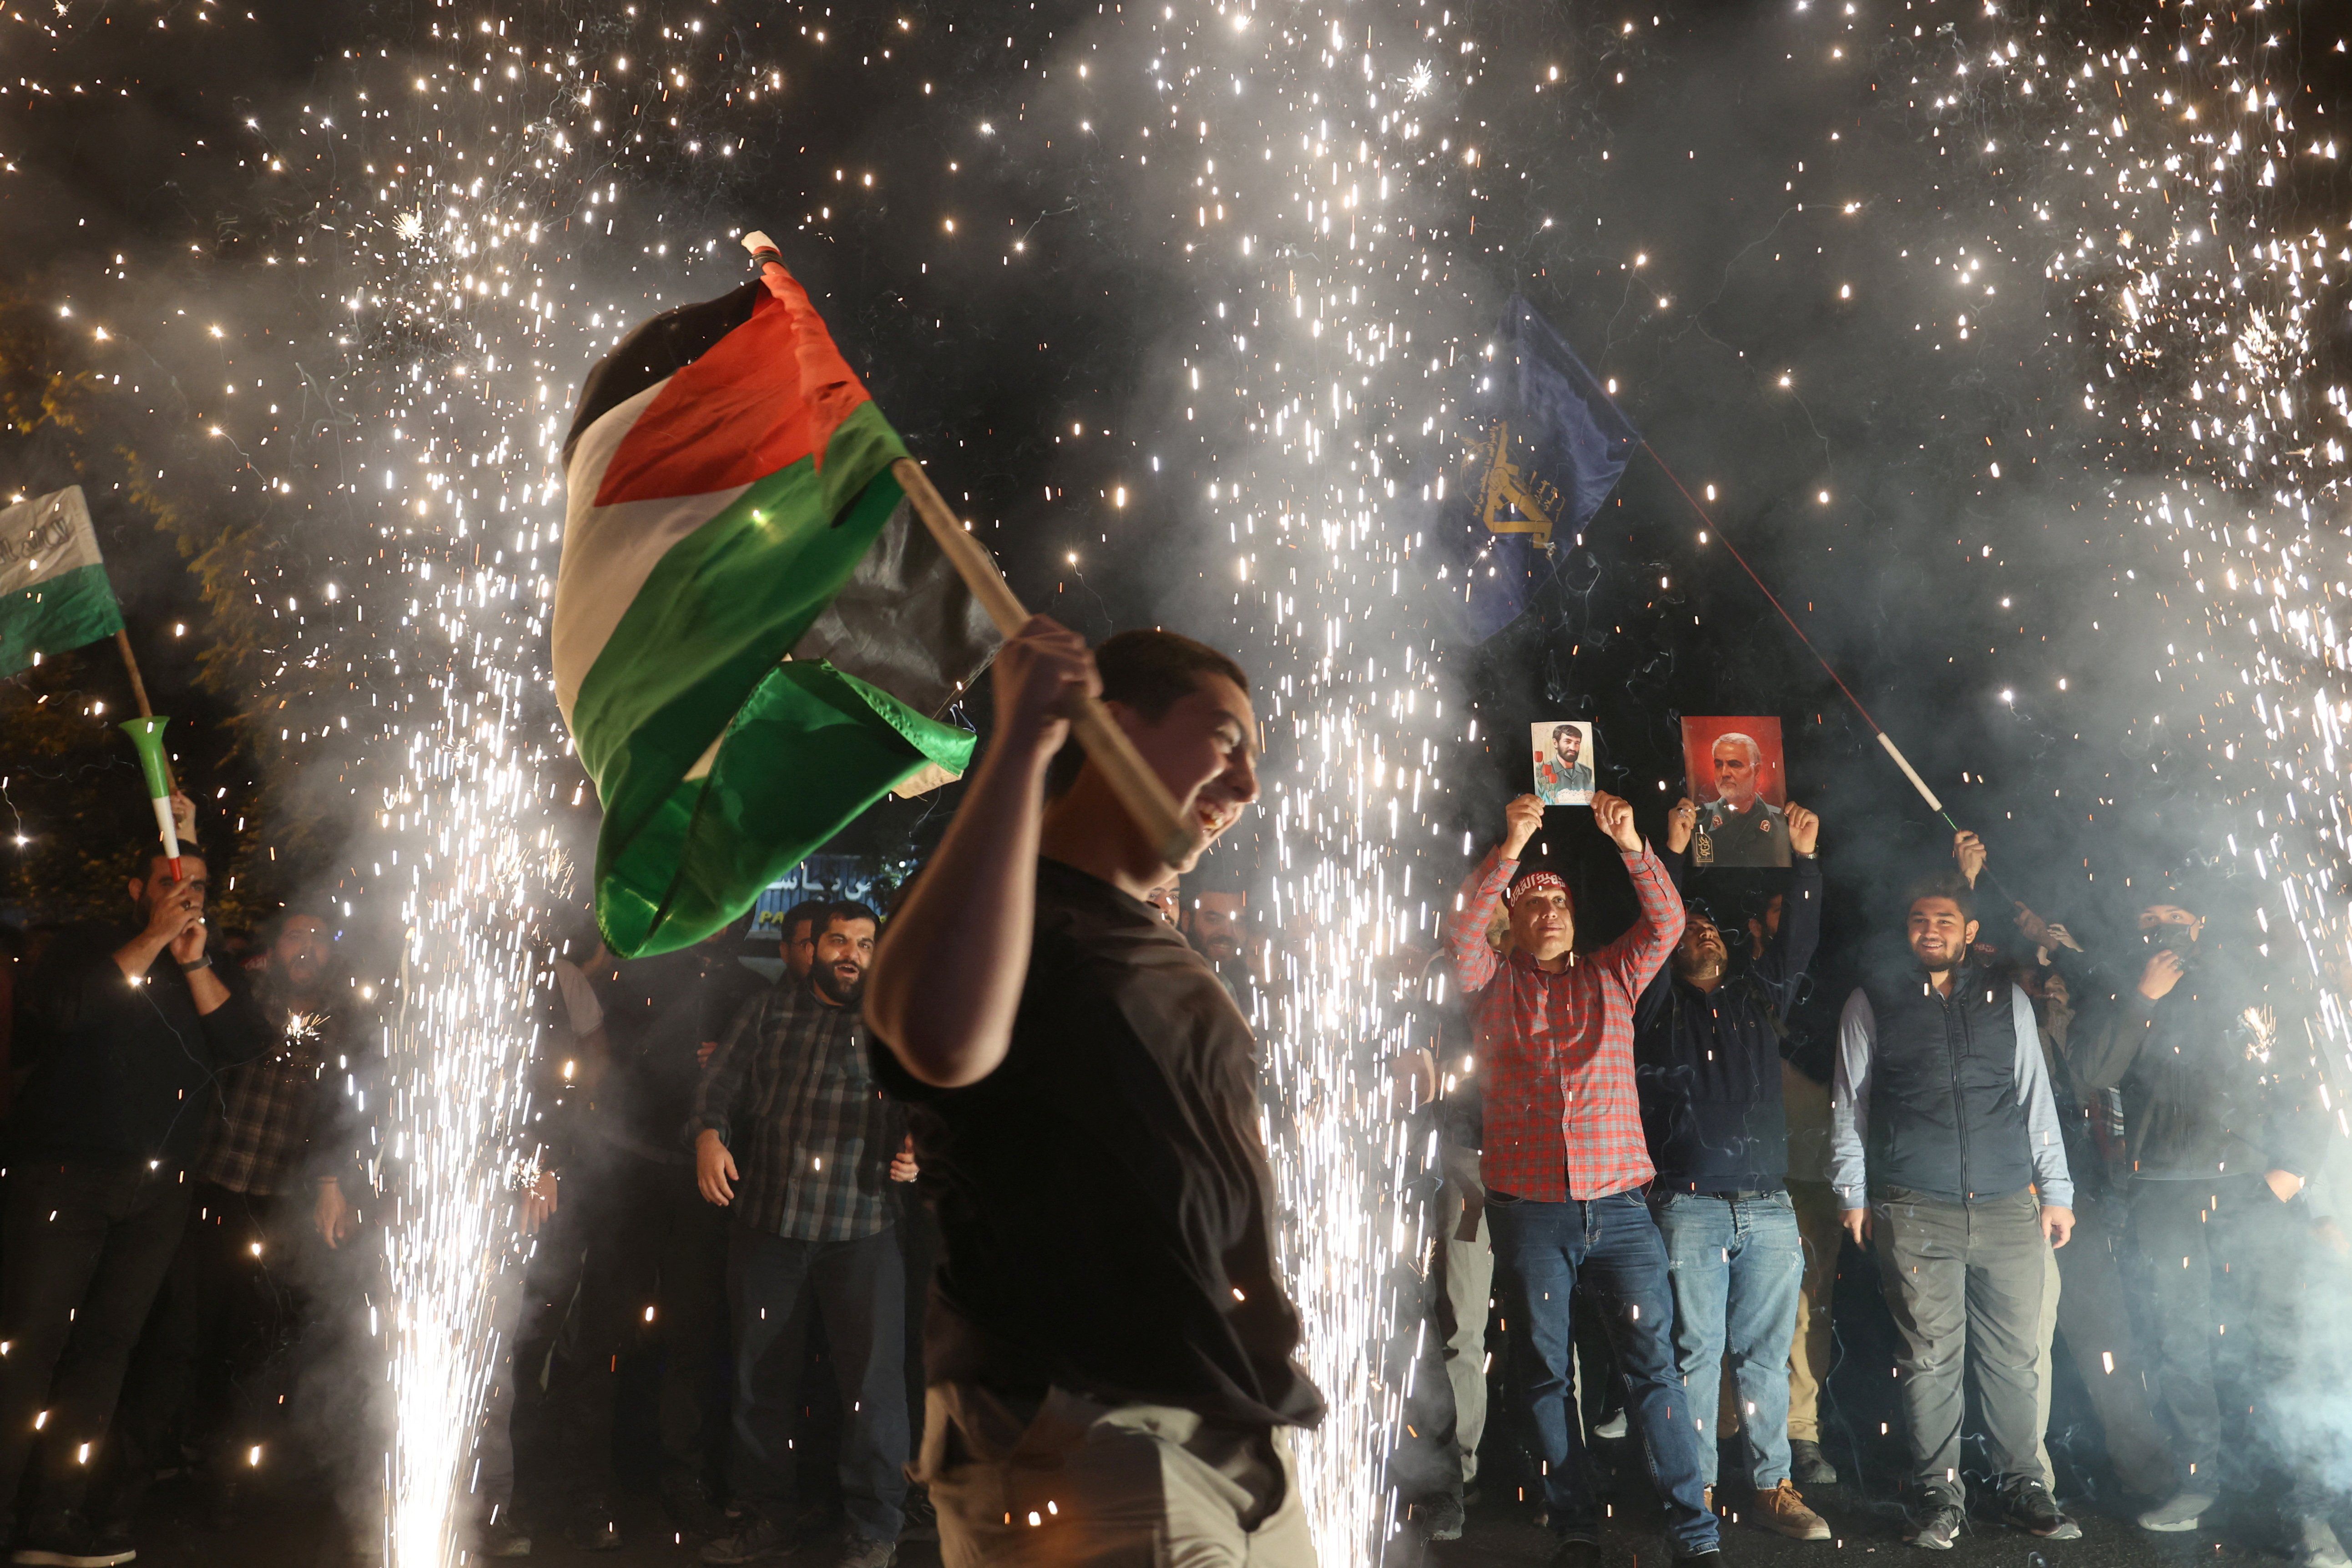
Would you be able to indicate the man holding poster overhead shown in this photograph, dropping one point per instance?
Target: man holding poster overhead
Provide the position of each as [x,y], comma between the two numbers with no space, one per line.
[1742,825]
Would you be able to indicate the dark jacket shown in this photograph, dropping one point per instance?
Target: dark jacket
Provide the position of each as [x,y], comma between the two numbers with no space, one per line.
[2201,1097]
[1945,1118]
[1707,1064]
[122,1072]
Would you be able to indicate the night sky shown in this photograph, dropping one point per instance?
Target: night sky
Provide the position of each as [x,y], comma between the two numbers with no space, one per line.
[1705,201]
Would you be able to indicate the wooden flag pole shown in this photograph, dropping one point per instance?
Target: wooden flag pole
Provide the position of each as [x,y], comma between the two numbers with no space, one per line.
[131,663]
[1138,788]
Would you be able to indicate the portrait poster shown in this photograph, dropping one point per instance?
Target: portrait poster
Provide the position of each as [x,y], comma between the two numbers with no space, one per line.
[1740,787]
[1563,761]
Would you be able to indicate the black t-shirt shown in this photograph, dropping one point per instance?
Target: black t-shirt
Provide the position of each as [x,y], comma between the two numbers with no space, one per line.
[1103,1196]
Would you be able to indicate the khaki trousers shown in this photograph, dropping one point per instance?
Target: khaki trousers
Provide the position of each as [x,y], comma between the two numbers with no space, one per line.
[1469,1291]
[1810,1351]
[1082,1485]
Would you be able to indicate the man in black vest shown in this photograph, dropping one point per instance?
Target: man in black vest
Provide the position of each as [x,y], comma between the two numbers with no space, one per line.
[1943,1125]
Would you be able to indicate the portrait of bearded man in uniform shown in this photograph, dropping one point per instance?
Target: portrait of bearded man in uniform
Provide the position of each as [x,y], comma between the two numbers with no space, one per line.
[1563,762]
[1736,775]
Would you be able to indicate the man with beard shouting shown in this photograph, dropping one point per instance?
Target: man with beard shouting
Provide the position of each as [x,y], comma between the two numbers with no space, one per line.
[793,1138]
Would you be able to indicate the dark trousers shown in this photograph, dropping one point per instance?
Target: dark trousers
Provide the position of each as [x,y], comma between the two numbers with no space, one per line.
[1964,1282]
[83,1247]
[858,1290]
[2092,1312]
[652,1271]
[1610,1247]
[2221,1253]
[217,1346]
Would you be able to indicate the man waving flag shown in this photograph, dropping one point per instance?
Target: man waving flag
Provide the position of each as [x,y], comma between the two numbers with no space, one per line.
[755,637]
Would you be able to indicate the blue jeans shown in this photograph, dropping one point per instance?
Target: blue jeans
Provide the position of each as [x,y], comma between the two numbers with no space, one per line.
[1611,1247]
[1735,1265]
[859,1289]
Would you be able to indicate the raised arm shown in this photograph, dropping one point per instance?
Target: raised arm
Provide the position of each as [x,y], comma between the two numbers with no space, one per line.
[1466,932]
[946,978]
[1784,963]
[1640,952]
[2107,1058]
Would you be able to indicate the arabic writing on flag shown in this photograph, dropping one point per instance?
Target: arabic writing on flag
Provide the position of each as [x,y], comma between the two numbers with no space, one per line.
[53,590]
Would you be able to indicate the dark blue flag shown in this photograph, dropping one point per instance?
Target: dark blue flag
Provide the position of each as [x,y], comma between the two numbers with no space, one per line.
[1546,445]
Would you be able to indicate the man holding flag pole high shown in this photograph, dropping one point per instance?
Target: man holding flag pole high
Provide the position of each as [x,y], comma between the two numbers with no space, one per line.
[764,611]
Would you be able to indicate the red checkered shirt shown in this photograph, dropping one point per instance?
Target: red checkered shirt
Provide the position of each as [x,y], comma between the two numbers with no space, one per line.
[1557,1051]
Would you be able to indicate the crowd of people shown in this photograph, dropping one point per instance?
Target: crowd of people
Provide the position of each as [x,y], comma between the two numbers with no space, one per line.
[1645,1158]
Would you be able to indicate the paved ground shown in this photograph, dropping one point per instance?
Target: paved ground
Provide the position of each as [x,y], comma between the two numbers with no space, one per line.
[292,1531]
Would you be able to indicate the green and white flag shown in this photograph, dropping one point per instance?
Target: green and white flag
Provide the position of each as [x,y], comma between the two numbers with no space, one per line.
[53,590]
[754,637]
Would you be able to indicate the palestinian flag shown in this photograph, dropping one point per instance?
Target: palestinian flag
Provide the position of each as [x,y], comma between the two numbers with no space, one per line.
[755,637]
[53,590]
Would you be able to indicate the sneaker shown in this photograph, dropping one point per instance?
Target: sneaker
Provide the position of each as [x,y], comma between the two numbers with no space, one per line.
[1612,1425]
[1782,1511]
[689,1504]
[852,1550]
[2181,1513]
[1441,1517]
[68,1542]
[758,1538]
[498,1539]
[921,1520]
[2029,1506]
[1808,1465]
[1575,1551]
[591,1527]
[2320,1548]
[1938,1528]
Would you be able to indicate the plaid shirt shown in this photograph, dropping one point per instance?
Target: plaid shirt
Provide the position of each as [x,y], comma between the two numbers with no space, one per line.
[268,1106]
[1557,1051]
[789,1093]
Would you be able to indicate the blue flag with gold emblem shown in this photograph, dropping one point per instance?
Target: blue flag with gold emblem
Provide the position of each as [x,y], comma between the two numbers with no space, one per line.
[1547,445]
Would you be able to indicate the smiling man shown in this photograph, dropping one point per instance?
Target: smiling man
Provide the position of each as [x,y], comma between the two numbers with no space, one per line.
[1111,1352]
[1942,1128]
[794,1139]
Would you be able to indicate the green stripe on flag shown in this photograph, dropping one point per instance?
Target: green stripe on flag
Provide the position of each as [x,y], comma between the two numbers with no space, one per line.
[56,613]
[810,751]
[697,654]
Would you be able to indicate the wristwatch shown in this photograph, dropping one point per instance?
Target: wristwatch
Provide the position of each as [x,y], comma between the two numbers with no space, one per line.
[203,962]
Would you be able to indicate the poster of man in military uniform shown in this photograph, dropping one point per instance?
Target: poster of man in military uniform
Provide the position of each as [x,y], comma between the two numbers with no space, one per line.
[1563,762]
[1737,778]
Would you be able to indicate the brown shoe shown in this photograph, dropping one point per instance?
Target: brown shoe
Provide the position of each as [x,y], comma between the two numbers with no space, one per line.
[1710,1499]
[1783,1511]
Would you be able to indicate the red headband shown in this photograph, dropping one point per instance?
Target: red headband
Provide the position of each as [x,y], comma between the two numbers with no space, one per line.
[1536,879]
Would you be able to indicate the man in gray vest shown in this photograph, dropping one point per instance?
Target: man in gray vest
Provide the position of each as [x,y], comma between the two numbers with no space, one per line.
[1942,1127]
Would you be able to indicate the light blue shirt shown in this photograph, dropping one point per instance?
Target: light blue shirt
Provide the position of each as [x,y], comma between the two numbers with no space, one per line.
[1850,1105]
